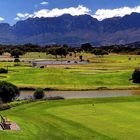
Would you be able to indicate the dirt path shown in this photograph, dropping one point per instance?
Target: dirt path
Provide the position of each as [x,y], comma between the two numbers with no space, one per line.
[85,94]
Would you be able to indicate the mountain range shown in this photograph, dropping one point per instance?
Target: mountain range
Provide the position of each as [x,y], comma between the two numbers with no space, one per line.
[73,30]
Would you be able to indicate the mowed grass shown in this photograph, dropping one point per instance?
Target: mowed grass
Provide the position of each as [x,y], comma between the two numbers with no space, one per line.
[111,72]
[62,79]
[82,119]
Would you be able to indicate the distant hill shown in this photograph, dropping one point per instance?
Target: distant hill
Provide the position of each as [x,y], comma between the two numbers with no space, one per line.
[73,30]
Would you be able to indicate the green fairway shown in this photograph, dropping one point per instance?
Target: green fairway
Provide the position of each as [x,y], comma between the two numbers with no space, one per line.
[110,72]
[91,119]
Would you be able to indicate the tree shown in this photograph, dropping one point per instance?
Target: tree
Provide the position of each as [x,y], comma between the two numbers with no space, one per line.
[8,91]
[87,47]
[81,58]
[17,62]
[62,51]
[58,50]
[52,50]
[99,52]
[39,93]
[136,76]
[1,52]
[16,53]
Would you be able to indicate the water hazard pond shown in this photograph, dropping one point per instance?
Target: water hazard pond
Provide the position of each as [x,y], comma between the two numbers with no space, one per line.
[84,94]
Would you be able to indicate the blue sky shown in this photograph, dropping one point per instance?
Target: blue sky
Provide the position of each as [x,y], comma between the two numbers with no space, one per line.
[13,10]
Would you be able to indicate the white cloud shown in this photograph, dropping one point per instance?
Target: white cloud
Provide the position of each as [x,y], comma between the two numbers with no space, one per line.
[80,10]
[21,16]
[44,3]
[2,19]
[100,14]
[119,12]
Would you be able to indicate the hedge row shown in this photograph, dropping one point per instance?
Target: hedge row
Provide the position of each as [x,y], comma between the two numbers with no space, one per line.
[14,104]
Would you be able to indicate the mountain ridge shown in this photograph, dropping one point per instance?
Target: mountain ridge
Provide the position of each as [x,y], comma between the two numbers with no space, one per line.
[67,29]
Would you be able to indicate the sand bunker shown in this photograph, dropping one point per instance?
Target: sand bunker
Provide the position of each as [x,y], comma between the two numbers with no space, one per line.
[13,126]
[5,124]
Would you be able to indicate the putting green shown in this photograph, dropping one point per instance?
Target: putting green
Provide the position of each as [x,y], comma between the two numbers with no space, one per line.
[95,119]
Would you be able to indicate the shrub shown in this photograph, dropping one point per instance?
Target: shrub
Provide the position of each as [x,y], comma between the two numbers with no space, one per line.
[81,58]
[55,98]
[2,70]
[16,60]
[42,67]
[136,76]
[138,53]
[39,93]
[8,91]
[16,65]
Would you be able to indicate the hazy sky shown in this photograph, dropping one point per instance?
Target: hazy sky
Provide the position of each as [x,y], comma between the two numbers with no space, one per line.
[13,10]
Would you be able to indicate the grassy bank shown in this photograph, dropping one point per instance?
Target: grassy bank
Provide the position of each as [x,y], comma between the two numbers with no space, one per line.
[95,119]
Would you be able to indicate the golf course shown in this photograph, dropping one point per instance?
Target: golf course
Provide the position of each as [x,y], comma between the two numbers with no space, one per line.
[91,119]
[109,72]
[110,118]
[69,70]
